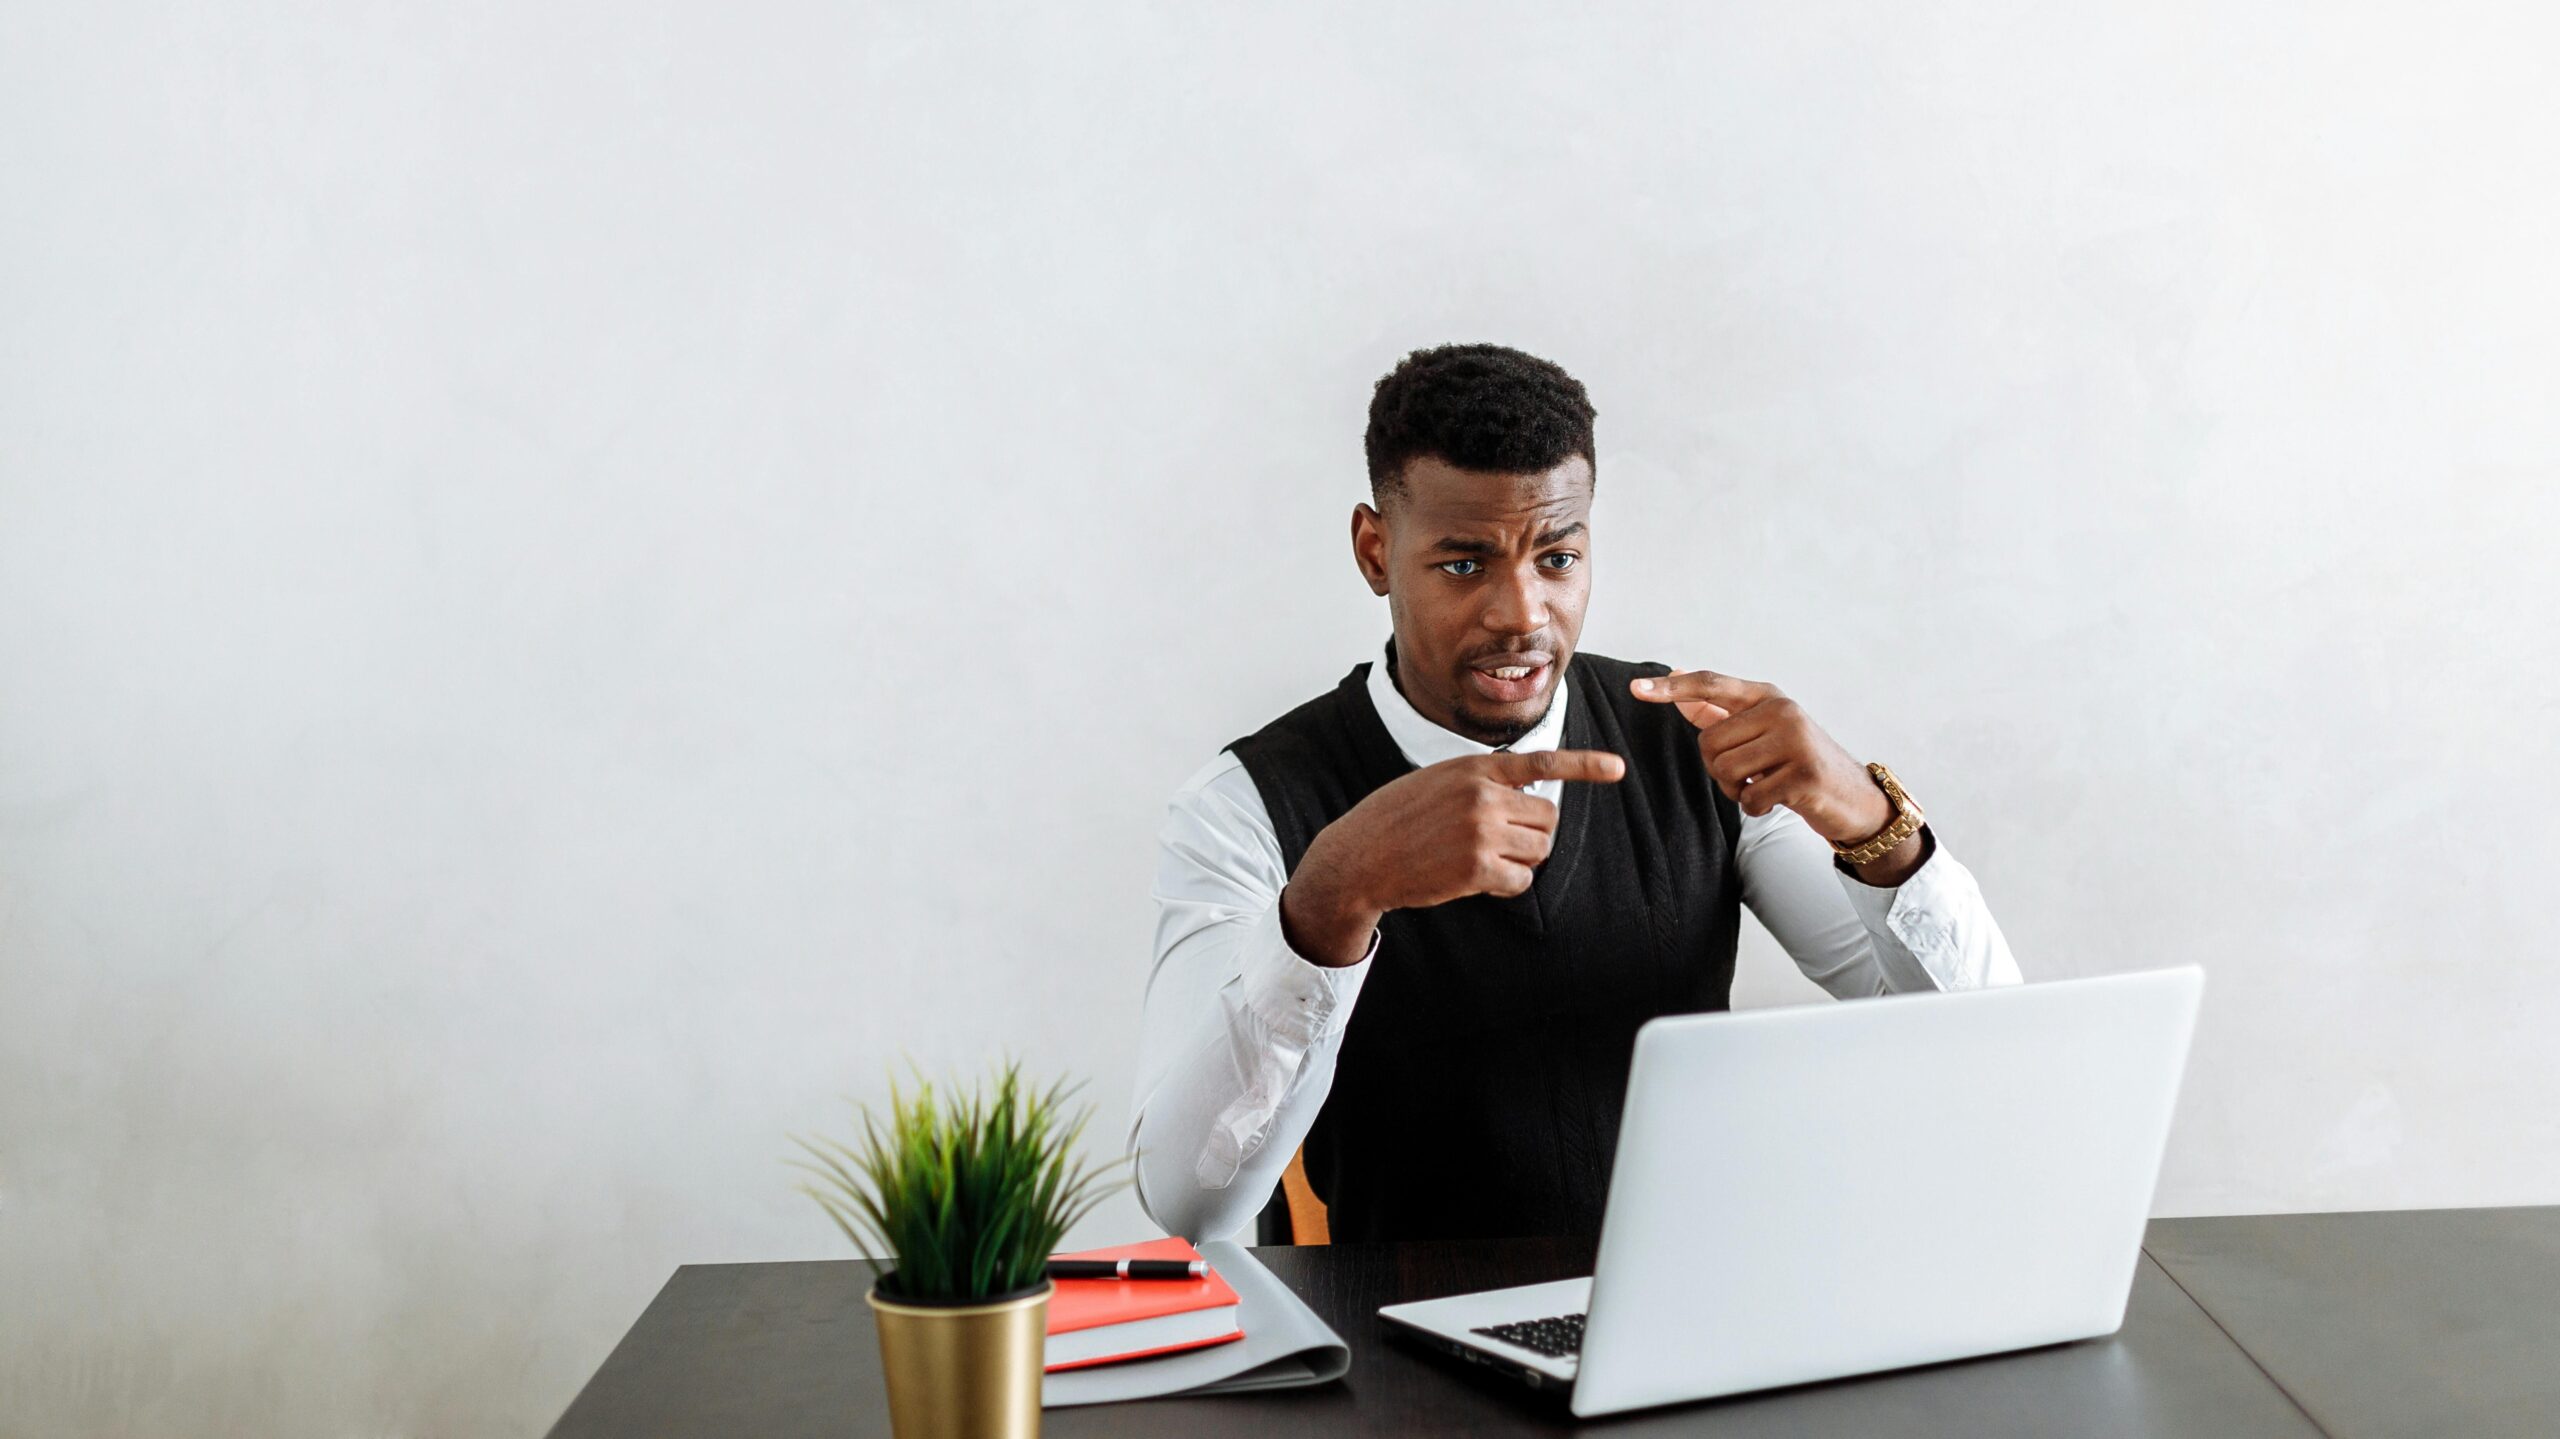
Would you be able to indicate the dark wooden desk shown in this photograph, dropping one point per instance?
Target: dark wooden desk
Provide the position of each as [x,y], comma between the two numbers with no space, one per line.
[2396,1322]
[782,1350]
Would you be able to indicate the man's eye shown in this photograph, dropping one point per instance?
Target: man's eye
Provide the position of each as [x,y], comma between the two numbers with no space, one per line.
[1560,560]
[1459,568]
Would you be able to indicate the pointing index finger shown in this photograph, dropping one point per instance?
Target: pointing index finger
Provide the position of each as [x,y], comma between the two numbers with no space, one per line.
[1596,766]
[1723,691]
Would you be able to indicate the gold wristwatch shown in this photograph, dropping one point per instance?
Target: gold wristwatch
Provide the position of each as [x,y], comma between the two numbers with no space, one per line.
[1907,820]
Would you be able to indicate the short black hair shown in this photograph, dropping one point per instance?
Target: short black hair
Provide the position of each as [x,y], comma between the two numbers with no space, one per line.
[1478,407]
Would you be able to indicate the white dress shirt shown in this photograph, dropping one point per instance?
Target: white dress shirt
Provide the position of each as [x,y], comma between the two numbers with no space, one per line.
[1240,1033]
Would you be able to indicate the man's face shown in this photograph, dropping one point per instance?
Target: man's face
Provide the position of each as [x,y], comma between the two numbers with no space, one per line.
[1487,576]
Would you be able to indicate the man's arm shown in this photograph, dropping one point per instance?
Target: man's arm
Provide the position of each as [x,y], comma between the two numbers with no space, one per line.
[1932,931]
[1239,1034]
[1912,919]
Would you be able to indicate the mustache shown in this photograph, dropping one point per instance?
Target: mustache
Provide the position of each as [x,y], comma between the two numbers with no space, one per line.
[1540,646]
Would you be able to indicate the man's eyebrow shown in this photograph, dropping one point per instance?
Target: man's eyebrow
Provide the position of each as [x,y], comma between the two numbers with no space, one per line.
[1455,545]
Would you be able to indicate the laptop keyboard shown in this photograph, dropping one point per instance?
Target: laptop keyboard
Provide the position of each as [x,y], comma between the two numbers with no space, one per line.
[1557,1338]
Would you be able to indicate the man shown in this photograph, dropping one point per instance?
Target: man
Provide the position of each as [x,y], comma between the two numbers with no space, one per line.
[1415,923]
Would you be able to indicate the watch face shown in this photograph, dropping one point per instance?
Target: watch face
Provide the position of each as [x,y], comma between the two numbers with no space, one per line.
[1892,787]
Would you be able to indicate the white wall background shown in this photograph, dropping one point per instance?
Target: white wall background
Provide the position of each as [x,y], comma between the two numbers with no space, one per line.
[577,579]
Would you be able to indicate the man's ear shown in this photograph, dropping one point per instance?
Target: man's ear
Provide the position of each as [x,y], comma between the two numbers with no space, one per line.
[1369,546]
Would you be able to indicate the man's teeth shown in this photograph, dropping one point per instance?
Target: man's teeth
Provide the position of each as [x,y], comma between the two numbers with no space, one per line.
[1511,672]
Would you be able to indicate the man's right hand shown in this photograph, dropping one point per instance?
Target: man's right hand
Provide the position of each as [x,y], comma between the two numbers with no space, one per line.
[1443,832]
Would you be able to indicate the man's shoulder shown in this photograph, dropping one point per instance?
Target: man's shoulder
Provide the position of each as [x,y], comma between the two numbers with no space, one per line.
[1214,775]
[1310,724]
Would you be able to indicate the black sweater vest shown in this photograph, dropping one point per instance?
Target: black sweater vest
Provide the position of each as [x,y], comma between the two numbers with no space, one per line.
[1479,1082]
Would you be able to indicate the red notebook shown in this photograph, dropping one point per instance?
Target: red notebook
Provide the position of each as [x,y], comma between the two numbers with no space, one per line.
[1103,1321]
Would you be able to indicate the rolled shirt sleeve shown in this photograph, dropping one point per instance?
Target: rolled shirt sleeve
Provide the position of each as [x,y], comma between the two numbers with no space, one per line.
[1938,917]
[1239,1031]
[1931,932]
[1279,1010]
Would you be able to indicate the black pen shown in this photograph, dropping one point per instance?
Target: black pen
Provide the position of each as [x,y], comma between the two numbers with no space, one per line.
[1128,1268]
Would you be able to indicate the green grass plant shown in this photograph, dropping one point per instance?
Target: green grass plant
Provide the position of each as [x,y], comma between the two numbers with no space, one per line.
[969,1193]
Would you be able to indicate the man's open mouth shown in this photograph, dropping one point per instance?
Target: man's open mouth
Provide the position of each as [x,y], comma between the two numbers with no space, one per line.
[1511,679]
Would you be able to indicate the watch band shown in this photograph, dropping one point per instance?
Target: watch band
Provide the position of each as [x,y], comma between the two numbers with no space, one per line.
[1907,820]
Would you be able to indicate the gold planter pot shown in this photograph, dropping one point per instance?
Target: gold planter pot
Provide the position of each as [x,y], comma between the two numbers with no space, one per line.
[960,1371]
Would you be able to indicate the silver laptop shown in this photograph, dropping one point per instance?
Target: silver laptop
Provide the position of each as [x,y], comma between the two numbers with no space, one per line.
[1835,1189]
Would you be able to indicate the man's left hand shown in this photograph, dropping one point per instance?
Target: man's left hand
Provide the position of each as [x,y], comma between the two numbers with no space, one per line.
[1763,751]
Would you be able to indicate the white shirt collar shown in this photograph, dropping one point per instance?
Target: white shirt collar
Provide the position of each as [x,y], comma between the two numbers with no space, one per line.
[1425,743]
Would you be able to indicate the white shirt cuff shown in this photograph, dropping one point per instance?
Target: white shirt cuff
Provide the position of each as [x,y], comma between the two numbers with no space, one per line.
[1930,914]
[1300,1007]
[1301,1001]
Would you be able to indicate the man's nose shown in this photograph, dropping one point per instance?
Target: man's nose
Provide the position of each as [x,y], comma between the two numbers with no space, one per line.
[1516,606]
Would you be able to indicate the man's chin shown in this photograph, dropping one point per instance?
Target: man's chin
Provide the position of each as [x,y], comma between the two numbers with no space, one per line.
[1498,712]
[1501,727]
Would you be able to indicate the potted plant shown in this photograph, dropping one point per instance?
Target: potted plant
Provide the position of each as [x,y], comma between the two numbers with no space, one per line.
[967,1195]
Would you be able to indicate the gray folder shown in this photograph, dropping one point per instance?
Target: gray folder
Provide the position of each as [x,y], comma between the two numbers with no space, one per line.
[1284,1346]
